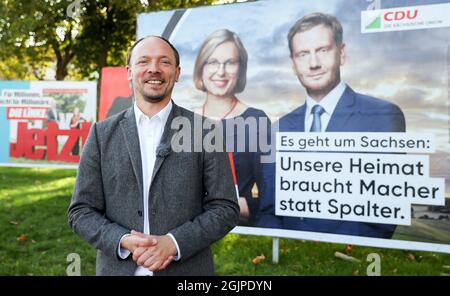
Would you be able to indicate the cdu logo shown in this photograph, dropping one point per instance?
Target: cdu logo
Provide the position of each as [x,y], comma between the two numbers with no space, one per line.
[375,19]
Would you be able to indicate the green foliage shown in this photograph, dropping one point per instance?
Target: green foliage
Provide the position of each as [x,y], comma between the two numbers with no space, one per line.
[14,68]
[233,256]
[35,35]
[108,27]
[36,239]
[29,34]
[66,103]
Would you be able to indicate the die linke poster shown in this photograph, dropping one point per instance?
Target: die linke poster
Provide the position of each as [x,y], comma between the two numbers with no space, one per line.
[45,123]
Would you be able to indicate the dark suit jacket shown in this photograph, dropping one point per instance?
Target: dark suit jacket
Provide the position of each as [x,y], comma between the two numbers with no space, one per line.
[192,195]
[354,113]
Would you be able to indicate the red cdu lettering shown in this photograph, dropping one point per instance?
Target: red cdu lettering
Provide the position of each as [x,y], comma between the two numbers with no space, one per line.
[400,15]
[411,16]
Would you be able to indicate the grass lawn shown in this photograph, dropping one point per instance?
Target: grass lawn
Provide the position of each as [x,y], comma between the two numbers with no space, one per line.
[36,239]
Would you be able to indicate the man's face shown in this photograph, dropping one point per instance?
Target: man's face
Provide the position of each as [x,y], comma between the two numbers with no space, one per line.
[316,60]
[152,70]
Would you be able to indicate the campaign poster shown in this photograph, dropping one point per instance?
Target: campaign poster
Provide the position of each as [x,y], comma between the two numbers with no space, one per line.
[45,123]
[115,93]
[369,165]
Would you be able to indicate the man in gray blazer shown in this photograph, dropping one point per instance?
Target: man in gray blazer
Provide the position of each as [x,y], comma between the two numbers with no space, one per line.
[147,209]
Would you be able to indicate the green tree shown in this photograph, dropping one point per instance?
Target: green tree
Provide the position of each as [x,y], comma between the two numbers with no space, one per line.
[77,43]
[36,34]
[66,103]
[109,30]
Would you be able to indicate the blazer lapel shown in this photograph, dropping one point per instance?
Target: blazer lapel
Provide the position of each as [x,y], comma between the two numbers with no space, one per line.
[164,148]
[301,118]
[343,112]
[294,121]
[130,133]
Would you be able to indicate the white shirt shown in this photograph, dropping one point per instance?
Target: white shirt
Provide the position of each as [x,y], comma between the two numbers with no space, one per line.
[328,103]
[150,131]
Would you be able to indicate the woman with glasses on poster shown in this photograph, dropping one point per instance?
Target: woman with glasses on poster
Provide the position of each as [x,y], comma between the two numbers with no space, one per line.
[220,71]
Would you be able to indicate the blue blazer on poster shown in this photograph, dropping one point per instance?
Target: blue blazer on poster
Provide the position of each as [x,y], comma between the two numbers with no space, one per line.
[354,113]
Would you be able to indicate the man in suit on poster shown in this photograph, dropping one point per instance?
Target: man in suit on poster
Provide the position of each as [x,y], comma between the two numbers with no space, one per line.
[317,51]
[146,208]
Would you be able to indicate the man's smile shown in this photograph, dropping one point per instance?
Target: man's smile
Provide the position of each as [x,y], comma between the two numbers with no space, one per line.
[154,81]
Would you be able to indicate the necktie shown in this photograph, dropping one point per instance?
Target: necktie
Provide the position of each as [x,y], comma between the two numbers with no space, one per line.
[316,111]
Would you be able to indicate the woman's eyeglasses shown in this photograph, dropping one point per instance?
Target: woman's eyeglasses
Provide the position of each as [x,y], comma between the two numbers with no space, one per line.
[230,66]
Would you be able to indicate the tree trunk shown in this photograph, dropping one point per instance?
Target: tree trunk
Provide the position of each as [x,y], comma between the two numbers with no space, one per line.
[61,71]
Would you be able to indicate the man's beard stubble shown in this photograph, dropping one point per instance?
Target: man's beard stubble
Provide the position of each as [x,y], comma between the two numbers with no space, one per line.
[150,98]
[153,99]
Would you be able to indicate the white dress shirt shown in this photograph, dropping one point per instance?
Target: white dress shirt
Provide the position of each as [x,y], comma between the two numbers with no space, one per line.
[150,131]
[328,103]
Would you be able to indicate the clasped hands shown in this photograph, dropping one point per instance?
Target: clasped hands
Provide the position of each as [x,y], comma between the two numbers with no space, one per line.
[154,252]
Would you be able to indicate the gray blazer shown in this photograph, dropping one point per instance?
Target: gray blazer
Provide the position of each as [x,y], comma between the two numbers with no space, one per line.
[192,195]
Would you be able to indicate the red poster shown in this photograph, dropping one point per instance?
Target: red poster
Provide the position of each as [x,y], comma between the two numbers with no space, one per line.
[115,93]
